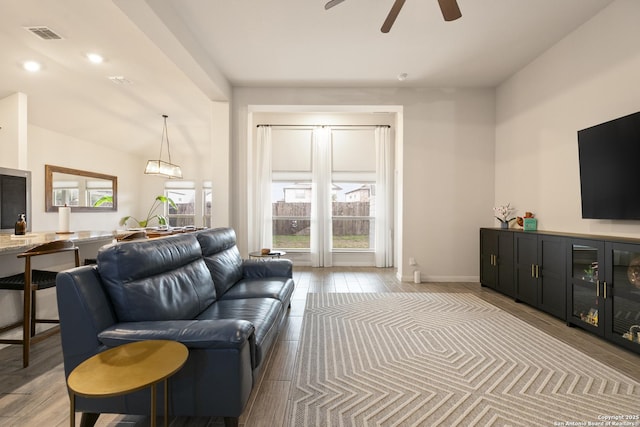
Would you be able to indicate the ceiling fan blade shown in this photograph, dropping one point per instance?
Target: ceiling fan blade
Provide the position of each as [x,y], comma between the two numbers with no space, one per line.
[332,3]
[450,9]
[391,17]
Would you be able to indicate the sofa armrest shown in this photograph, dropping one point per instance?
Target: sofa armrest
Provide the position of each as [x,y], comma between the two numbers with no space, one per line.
[255,269]
[207,334]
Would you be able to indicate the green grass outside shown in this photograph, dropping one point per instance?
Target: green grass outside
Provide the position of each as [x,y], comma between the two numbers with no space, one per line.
[302,242]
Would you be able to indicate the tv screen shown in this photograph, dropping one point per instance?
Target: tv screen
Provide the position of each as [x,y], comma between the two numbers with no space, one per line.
[609,157]
[15,198]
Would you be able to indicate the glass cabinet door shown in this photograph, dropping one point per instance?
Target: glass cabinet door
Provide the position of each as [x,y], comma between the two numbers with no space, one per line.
[585,302]
[623,294]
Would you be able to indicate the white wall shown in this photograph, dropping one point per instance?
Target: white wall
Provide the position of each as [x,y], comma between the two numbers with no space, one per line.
[48,147]
[13,131]
[447,172]
[589,77]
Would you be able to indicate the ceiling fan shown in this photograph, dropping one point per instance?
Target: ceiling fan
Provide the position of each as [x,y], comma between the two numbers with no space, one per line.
[450,11]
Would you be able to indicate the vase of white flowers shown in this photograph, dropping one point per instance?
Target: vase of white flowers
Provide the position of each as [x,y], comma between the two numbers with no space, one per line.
[504,214]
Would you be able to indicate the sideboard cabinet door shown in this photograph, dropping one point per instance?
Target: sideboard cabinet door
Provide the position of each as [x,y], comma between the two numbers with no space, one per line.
[585,278]
[621,293]
[540,272]
[496,260]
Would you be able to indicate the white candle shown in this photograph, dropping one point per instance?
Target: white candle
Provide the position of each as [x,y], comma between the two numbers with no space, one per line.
[63,218]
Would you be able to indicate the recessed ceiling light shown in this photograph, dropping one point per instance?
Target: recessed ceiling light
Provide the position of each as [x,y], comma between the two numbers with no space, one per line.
[95,58]
[32,66]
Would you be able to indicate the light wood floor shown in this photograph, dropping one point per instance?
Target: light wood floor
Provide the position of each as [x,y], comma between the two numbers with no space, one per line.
[37,396]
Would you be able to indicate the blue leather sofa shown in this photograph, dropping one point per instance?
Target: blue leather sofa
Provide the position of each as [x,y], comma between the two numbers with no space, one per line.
[193,288]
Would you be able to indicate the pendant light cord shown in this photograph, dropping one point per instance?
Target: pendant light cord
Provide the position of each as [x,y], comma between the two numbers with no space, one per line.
[165,134]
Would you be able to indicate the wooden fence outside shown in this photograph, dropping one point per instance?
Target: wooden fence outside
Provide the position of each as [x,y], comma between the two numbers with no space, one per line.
[347,227]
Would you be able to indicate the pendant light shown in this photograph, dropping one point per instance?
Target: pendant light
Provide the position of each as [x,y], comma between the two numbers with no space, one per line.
[160,167]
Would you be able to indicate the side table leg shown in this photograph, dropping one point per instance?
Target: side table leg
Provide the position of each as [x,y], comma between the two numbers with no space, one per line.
[72,414]
[166,402]
[153,405]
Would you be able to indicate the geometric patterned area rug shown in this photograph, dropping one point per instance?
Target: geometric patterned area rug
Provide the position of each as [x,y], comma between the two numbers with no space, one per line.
[444,359]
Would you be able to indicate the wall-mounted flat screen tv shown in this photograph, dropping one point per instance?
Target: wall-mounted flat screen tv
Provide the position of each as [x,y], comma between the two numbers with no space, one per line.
[15,198]
[609,156]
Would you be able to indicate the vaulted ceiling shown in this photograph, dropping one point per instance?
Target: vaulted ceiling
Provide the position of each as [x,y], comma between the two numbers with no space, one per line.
[174,56]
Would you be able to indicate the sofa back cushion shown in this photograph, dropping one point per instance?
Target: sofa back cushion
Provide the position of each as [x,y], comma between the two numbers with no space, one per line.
[222,257]
[156,279]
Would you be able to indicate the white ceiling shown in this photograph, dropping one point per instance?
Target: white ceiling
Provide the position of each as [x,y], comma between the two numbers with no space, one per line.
[180,54]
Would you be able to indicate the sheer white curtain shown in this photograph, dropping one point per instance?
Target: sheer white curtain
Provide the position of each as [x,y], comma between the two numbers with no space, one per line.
[262,199]
[321,225]
[384,198]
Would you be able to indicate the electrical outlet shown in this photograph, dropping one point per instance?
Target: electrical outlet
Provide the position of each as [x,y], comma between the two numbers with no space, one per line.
[412,261]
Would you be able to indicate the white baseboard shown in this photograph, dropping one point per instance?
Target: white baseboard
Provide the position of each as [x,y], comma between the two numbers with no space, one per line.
[427,278]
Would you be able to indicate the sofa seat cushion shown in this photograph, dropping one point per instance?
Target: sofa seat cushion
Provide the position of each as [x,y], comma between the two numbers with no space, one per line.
[280,288]
[212,334]
[263,313]
[157,279]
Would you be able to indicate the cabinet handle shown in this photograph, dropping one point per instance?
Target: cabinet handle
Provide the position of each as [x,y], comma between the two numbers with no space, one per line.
[598,288]
[493,259]
[533,270]
[605,289]
[537,271]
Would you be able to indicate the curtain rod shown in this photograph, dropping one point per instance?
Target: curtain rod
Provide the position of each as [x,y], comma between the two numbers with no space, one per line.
[333,126]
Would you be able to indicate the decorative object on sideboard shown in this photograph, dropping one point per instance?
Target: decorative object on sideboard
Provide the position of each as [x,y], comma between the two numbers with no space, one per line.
[160,167]
[633,272]
[633,334]
[504,214]
[528,222]
[151,215]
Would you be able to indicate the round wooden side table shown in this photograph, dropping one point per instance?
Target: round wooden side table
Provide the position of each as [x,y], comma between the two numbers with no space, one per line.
[128,368]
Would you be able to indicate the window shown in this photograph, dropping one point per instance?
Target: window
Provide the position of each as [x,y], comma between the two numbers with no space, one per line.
[66,193]
[66,196]
[330,192]
[183,195]
[353,167]
[207,202]
[353,216]
[291,214]
[98,189]
[291,189]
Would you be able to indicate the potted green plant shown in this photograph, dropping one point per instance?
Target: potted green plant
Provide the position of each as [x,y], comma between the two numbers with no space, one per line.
[151,215]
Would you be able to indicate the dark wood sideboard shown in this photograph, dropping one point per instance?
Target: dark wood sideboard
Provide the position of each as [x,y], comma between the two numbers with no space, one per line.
[589,281]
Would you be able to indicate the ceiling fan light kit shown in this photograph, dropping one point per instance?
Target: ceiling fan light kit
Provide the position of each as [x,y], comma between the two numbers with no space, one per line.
[449,8]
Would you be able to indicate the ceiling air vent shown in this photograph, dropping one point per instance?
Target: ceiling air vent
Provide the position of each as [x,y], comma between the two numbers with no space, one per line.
[45,33]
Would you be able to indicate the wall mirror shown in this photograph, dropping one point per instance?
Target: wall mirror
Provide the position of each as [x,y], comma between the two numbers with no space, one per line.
[79,189]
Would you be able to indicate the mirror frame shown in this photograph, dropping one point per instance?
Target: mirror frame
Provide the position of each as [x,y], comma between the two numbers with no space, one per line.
[48,189]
